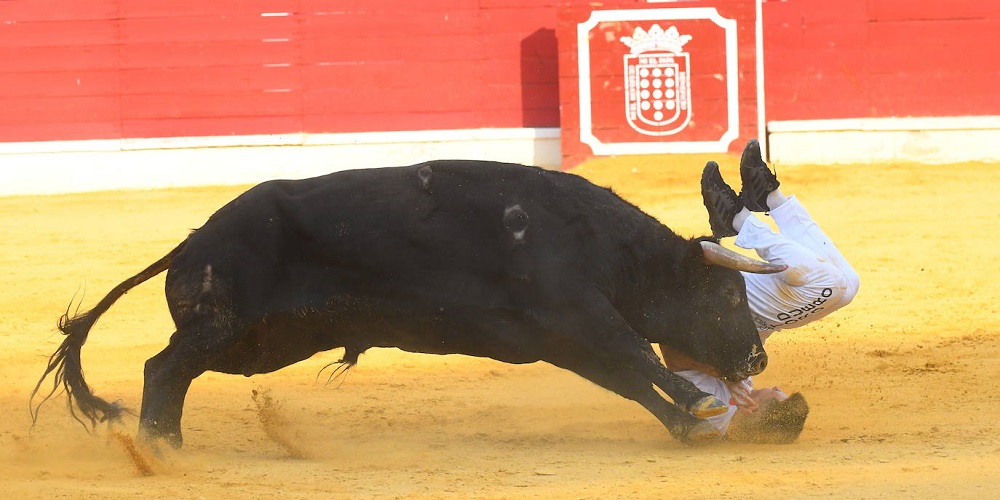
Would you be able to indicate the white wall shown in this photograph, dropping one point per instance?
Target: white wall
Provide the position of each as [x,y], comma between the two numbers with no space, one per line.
[882,140]
[75,166]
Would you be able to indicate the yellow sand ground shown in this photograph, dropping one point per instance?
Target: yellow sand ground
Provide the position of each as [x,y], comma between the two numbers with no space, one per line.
[902,383]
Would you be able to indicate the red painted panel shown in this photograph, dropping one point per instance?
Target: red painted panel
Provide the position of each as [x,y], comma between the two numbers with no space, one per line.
[802,14]
[24,11]
[186,8]
[391,121]
[221,79]
[511,19]
[389,7]
[935,59]
[67,34]
[547,4]
[901,58]
[61,84]
[244,27]
[347,26]
[59,130]
[817,36]
[394,47]
[954,34]
[206,54]
[169,68]
[389,77]
[377,99]
[931,10]
[936,91]
[361,65]
[33,111]
[187,105]
[51,58]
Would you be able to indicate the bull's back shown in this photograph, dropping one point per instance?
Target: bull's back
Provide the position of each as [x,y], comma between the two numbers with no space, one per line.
[461,230]
[445,214]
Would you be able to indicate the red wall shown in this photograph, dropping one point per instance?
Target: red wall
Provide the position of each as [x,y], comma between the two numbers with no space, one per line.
[881,58]
[146,68]
[94,69]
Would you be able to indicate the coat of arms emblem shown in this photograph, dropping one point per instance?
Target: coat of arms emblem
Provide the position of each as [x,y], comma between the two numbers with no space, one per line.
[657,85]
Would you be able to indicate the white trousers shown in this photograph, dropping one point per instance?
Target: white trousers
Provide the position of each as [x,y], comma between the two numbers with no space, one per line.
[818,281]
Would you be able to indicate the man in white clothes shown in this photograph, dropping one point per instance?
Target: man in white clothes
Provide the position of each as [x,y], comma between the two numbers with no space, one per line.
[818,281]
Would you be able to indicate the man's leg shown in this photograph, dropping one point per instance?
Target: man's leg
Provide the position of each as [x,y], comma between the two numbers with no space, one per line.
[819,279]
[795,222]
[760,193]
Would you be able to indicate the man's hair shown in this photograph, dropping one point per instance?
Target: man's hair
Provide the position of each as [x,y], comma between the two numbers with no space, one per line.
[776,422]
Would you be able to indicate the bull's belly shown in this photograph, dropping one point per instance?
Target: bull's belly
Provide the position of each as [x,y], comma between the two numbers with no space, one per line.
[274,345]
[284,339]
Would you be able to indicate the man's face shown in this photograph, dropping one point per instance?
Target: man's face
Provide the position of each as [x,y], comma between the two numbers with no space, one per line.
[765,396]
[778,419]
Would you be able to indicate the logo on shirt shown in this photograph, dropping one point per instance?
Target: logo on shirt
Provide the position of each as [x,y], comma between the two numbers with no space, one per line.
[801,313]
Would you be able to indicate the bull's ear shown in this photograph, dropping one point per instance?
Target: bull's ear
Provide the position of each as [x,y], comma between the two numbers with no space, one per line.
[694,255]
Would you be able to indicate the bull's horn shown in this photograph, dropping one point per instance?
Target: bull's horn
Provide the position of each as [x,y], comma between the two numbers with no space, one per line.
[719,255]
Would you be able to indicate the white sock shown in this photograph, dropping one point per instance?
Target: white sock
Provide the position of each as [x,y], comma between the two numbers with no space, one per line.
[740,218]
[775,199]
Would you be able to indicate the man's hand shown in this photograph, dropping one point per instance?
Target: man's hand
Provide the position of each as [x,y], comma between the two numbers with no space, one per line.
[742,393]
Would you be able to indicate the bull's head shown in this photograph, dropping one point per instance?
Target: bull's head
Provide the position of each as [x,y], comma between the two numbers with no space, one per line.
[717,328]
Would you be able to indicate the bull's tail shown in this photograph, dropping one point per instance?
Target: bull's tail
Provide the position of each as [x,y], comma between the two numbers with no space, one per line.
[64,364]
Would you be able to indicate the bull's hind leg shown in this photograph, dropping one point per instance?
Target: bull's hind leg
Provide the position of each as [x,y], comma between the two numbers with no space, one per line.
[168,376]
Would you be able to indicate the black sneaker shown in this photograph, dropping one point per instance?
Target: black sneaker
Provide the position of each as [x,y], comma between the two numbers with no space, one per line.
[758,181]
[721,201]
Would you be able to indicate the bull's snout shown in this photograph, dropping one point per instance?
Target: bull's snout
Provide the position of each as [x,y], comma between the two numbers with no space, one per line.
[753,365]
[758,364]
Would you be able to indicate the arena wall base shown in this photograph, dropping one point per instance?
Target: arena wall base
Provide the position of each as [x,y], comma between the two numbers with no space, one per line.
[885,140]
[79,166]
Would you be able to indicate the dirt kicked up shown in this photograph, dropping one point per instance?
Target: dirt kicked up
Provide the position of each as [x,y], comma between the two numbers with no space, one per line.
[902,383]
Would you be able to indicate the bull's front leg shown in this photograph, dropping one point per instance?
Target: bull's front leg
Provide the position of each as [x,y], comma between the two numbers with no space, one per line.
[601,347]
[697,402]
[613,373]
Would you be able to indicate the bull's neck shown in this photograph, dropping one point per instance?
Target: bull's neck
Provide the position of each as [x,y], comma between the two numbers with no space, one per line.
[652,265]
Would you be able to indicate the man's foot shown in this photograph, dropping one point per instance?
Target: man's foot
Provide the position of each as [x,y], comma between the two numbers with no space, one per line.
[721,201]
[758,181]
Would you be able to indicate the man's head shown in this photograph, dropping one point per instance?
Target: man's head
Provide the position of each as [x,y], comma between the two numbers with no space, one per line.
[779,418]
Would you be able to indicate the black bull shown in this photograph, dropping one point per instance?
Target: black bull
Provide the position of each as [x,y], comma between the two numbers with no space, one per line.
[504,261]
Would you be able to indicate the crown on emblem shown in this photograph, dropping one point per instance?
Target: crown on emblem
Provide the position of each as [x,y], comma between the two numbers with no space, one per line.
[656,39]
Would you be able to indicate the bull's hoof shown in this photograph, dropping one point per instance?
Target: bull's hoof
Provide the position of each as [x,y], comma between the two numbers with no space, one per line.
[708,406]
[153,439]
[701,433]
